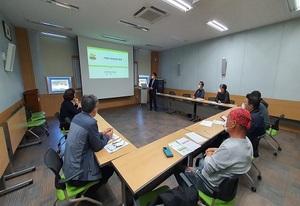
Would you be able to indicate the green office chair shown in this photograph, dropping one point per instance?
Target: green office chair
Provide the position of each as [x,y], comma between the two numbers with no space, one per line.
[273,131]
[33,116]
[150,196]
[64,191]
[224,195]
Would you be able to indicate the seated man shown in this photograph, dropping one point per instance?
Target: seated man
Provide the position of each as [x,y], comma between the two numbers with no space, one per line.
[263,109]
[257,129]
[223,95]
[233,157]
[200,91]
[83,140]
[69,108]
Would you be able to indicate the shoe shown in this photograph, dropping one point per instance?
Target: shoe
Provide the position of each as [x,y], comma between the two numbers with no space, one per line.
[149,109]
[192,119]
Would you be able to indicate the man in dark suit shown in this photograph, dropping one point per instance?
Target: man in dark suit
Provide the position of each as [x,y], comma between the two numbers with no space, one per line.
[153,84]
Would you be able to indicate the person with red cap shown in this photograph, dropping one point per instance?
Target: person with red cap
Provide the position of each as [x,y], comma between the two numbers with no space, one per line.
[233,157]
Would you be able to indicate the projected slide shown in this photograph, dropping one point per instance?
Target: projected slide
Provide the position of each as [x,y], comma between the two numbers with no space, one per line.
[107,63]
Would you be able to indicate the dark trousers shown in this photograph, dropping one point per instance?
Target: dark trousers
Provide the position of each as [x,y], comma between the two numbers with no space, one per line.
[192,177]
[152,95]
[107,172]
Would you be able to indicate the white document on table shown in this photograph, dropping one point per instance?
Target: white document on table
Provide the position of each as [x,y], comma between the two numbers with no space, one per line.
[188,143]
[179,148]
[206,123]
[196,137]
[218,122]
[116,145]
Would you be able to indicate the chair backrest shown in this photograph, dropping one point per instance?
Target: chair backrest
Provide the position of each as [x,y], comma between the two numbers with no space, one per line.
[54,162]
[228,188]
[172,93]
[28,112]
[232,101]
[186,95]
[211,98]
[276,123]
[57,115]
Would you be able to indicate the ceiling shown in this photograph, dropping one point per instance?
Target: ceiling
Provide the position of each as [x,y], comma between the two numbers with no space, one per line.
[97,17]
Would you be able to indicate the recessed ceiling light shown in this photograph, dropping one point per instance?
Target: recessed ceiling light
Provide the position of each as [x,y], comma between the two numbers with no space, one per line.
[54,35]
[177,38]
[49,24]
[113,37]
[179,4]
[217,25]
[62,4]
[136,26]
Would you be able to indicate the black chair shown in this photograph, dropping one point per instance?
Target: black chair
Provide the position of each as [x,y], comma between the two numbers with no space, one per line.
[232,102]
[273,131]
[64,132]
[255,145]
[223,195]
[187,95]
[211,99]
[65,191]
[172,93]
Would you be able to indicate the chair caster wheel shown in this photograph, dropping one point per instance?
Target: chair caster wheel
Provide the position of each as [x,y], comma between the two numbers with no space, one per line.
[279,148]
[253,189]
[259,177]
[275,154]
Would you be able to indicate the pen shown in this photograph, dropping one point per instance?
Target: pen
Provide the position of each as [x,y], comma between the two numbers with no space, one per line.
[207,132]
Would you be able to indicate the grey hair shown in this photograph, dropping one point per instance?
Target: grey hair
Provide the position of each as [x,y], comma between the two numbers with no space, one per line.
[89,103]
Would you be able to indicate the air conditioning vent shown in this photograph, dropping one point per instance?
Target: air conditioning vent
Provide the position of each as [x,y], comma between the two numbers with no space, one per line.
[150,14]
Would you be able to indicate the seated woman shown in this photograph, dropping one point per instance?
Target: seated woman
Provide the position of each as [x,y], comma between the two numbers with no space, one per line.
[223,95]
[233,157]
[69,108]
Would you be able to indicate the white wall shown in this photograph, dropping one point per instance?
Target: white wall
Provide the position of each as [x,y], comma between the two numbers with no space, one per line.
[11,83]
[264,59]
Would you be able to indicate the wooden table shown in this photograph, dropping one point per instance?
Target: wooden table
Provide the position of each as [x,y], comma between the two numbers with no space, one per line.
[103,156]
[145,168]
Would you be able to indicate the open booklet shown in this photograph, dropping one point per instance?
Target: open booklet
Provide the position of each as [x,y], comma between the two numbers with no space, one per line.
[184,146]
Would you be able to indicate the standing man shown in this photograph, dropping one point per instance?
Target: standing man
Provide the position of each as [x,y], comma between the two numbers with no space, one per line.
[200,91]
[152,91]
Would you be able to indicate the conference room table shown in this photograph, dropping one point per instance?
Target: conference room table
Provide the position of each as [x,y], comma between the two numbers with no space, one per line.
[197,107]
[145,168]
[103,156]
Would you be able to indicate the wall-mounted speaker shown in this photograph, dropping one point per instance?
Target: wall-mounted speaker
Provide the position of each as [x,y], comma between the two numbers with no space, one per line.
[224,66]
[10,57]
[178,69]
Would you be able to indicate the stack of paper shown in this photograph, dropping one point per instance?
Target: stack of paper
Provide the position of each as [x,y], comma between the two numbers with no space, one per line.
[184,146]
[206,123]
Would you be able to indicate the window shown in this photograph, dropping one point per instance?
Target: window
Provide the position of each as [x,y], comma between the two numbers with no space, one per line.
[58,85]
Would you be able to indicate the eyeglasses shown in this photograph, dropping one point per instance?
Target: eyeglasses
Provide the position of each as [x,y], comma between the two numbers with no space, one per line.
[118,143]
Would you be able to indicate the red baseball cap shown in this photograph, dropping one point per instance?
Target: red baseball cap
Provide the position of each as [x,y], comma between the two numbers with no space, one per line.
[241,116]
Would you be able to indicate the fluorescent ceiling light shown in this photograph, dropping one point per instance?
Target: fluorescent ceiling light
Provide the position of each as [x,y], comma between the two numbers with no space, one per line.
[217,25]
[54,35]
[113,37]
[136,26]
[62,4]
[179,4]
[293,5]
[49,24]
[177,38]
